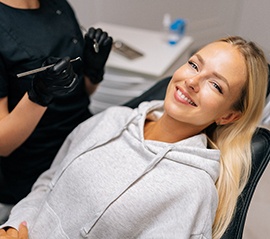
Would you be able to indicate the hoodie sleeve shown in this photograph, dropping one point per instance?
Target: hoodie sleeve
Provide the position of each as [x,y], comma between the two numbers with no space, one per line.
[27,209]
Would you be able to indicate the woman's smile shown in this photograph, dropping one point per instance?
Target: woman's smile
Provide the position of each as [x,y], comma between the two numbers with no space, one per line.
[183,97]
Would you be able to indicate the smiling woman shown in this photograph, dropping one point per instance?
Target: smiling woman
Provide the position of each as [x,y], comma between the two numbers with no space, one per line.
[206,88]
[163,169]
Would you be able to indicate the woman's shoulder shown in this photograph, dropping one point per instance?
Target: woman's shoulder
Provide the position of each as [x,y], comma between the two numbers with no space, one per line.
[109,116]
[117,112]
[143,108]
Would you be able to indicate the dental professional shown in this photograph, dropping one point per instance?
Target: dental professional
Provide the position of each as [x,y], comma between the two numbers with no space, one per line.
[167,169]
[38,111]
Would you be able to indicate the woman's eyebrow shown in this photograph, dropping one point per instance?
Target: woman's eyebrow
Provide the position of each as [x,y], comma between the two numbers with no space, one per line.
[219,76]
[201,60]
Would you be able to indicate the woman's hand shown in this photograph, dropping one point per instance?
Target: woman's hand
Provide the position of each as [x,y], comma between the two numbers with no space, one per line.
[12,233]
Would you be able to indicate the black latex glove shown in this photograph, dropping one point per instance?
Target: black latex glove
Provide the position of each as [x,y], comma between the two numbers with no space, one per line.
[55,81]
[94,62]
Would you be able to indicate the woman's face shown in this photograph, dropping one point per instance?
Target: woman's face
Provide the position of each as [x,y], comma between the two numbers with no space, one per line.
[204,89]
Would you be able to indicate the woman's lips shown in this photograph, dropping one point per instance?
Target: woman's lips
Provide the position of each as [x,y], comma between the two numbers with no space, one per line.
[184,97]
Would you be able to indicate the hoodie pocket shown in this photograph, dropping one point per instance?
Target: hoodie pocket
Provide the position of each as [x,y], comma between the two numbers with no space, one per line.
[48,226]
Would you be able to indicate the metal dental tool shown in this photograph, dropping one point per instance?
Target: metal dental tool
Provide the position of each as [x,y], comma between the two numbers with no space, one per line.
[125,50]
[96,46]
[41,69]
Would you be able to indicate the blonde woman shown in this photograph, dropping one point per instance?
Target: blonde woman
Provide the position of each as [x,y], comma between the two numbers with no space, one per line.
[167,169]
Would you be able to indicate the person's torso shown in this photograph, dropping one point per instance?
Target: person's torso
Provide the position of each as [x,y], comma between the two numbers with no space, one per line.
[28,37]
[124,182]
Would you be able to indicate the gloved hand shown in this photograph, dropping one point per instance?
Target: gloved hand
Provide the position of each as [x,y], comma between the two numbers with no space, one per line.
[55,81]
[94,61]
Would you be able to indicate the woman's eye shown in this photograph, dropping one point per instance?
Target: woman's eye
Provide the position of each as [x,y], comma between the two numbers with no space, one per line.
[193,65]
[217,87]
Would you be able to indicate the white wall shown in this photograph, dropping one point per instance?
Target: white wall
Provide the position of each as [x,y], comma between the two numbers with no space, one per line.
[207,19]
[254,23]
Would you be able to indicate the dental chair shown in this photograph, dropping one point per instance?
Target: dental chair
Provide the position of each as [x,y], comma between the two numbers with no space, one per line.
[260,158]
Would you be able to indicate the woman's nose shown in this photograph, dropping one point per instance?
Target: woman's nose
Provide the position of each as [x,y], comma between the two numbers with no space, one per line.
[193,83]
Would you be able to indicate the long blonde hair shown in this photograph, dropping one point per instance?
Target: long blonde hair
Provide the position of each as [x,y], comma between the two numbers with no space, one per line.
[234,139]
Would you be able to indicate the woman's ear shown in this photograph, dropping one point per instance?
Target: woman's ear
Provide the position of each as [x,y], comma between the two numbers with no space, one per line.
[229,118]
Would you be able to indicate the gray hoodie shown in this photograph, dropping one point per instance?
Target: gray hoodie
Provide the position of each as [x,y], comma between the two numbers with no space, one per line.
[115,184]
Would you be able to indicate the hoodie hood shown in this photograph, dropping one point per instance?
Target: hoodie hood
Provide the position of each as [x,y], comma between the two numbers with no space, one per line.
[192,151]
[129,125]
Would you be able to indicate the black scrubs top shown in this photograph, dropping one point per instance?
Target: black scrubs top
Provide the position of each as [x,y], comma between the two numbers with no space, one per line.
[27,38]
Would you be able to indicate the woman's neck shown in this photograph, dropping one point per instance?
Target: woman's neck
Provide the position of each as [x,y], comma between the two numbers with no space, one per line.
[22,4]
[168,130]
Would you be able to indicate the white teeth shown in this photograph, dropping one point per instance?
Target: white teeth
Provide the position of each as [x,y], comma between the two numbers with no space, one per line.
[185,98]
